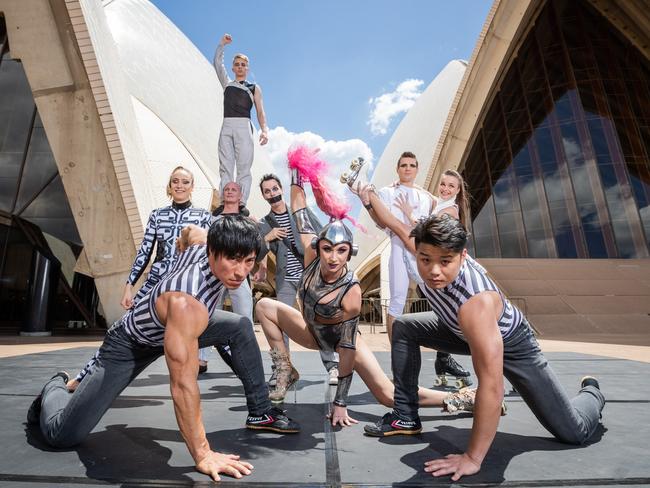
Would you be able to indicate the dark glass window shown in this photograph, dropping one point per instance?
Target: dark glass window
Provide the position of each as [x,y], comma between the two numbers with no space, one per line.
[560,166]
[30,191]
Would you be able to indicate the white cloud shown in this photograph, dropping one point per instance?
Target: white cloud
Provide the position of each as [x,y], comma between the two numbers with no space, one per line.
[337,153]
[387,106]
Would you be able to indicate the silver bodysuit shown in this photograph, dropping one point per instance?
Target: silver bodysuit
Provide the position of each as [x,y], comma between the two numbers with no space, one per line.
[311,290]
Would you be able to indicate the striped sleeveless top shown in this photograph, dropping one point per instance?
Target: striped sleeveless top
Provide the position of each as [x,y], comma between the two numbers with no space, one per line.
[471,280]
[190,274]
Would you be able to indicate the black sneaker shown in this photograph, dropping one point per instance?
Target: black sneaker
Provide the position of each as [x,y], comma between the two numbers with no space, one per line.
[274,420]
[391,424]
[589,381]
[34,412]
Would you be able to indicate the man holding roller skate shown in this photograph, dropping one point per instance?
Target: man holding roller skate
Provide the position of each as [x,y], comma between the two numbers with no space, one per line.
[401,267]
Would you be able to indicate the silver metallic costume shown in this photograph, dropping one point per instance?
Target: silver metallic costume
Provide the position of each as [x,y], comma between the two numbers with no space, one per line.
[325,320]
[311,291]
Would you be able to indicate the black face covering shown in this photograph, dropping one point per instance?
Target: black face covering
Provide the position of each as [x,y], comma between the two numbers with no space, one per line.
[274,199]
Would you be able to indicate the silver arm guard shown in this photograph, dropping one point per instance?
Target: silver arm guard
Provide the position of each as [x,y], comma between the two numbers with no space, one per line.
[341,397]
[303,222]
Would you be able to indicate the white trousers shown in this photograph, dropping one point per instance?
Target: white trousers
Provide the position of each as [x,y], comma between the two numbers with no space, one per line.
[236,151]
[398,277]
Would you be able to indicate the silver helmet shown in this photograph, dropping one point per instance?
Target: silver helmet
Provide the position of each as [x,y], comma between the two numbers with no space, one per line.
[336,232]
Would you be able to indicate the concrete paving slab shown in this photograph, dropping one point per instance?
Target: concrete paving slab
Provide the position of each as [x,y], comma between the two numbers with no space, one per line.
[137,443]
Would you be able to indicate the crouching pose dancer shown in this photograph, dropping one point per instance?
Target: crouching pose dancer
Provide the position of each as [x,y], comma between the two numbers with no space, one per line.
[472,316]
[330,300]
[176,317]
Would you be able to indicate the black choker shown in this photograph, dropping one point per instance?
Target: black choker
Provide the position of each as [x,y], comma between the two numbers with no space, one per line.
[181,206]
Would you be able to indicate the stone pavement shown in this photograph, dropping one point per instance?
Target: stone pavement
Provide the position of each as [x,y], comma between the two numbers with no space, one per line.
[137,442]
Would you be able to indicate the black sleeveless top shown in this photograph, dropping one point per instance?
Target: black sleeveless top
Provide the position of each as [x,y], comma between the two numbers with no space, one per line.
[238,99]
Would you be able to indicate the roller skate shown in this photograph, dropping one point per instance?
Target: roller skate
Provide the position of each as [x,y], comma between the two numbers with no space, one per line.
[447,367]
[286,376]
[357,177]
[463,401]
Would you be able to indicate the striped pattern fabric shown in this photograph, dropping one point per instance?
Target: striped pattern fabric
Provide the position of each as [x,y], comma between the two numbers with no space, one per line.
[471,280]
[190,274]
[294,265]
[163,228]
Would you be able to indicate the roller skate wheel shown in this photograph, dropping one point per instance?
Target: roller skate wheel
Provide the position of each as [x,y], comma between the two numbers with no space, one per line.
[344,178]
[355,165]
[437,382]
[459,384]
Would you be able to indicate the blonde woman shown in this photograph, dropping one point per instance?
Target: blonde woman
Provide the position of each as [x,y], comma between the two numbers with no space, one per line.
[163,228]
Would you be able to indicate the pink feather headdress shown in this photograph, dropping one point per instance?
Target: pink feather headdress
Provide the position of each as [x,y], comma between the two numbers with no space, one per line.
[313,169]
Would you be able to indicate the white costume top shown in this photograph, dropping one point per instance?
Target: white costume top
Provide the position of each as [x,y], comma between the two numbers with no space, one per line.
[420,200]
[422,203]
[444,204]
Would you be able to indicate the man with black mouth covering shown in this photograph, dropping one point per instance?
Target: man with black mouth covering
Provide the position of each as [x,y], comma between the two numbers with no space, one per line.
[281,237]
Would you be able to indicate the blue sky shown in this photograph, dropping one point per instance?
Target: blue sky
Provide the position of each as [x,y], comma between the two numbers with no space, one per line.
[338,74]
[320,62]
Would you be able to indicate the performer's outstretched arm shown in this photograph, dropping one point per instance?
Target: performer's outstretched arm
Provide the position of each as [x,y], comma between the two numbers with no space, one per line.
[185,320]
[299,208]
[222,74]
[384,216]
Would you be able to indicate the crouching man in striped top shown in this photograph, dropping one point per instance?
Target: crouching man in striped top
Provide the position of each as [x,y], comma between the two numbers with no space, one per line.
[472,316]
[175,318]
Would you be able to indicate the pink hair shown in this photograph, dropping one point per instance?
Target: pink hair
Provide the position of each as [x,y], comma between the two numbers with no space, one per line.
[313,169]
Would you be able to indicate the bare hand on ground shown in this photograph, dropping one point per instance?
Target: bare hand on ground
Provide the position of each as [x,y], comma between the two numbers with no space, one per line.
[339,416]
[457,465]
[215,463]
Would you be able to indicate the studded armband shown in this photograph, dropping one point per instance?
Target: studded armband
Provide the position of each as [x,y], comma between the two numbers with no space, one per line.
[341,397]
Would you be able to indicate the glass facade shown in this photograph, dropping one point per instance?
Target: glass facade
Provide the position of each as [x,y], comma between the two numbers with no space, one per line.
[34,210]
[560,167]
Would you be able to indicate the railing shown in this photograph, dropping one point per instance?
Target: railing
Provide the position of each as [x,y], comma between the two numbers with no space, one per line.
[375,310]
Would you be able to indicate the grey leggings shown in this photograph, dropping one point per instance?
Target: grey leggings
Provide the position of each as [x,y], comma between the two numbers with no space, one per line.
[66,419]
[569,420]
